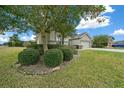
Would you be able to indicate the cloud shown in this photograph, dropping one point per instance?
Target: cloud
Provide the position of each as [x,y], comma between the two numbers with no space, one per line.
[109,9]
[3,39]
[118,32]
[33,37]
[23,37]
[94,23]
[27,38]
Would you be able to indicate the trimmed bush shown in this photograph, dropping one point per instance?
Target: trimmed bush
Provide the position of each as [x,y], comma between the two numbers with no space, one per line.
[67,53]
[53,46]
[53,57]
[29,56]
[73,49]
[39,47]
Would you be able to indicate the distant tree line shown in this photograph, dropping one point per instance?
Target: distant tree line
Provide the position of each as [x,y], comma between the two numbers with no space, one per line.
[101,41]
[16,42]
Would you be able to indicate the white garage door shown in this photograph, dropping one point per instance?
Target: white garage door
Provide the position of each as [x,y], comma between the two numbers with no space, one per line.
[85,44]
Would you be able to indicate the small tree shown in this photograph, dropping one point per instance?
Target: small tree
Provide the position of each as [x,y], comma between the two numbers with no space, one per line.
[100,41]
[14,41]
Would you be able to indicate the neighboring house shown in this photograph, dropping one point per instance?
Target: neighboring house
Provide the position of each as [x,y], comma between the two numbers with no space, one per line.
[83,40]
[110,42]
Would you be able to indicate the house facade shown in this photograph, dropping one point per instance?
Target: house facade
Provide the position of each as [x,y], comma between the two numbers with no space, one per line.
[53,38]
[81,41]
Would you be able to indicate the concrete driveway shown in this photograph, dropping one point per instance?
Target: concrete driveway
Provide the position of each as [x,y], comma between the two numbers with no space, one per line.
[103,49]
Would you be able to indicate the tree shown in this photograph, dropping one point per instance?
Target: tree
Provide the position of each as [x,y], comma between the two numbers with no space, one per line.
[100,41]
[14,41]
[48,18]
[69,17]
[10,21]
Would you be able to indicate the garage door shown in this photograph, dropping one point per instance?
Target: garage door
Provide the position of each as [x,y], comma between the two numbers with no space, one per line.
[85,44]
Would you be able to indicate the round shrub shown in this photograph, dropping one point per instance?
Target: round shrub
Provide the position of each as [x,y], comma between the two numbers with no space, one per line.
[39,47]
[29,56]
[53,57]
[67,53]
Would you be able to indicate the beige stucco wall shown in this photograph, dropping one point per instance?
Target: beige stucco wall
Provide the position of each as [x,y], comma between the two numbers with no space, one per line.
[85,37]
[66,40]
[75,42]
[52,38]
[39,39]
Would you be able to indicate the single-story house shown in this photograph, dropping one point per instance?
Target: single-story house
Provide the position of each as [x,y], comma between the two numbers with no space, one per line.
[82,41]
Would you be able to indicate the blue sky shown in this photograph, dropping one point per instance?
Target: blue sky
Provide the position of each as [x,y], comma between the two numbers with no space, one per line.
[113,25]
[29,35]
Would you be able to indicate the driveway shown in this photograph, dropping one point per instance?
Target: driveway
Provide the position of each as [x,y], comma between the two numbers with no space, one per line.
[103,49]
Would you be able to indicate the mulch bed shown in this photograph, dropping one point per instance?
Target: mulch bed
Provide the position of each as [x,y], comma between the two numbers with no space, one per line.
[40,68]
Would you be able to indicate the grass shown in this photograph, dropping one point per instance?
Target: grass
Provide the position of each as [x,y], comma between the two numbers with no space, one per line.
[91,69]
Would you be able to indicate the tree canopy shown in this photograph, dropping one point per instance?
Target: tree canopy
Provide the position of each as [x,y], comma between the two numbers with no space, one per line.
[44,19]
[14,41]
[100,41]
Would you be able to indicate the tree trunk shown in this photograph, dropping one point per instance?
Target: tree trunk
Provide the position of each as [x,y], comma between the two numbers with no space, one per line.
[45,41]
[62,40]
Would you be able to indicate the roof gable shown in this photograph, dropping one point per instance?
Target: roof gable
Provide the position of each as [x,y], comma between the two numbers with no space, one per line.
[85,34]
[81,36]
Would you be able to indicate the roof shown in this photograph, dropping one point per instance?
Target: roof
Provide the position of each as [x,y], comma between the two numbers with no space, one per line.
[81,35]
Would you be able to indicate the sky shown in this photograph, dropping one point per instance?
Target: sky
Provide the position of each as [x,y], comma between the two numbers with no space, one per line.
[113,25]
[29,35]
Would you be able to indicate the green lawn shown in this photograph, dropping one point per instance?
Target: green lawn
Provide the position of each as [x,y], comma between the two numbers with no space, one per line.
[92,69]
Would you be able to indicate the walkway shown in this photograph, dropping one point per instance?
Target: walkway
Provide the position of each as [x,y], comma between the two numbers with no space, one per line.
[103,49]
